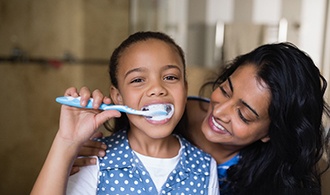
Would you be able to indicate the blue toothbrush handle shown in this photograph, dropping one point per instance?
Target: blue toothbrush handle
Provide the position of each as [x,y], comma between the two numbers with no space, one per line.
[75,102]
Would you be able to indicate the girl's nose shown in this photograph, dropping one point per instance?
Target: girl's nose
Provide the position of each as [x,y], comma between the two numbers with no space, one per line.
[156,89]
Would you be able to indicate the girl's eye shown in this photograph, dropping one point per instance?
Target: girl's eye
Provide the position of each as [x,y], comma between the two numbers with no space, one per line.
[138,80]
[171,77]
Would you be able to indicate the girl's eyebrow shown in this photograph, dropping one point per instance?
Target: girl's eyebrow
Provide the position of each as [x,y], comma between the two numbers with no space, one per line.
[171,66]
[141,69]
[133,70]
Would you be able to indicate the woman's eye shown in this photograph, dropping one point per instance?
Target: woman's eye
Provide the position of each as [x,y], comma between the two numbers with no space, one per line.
[224,92]
[242,117]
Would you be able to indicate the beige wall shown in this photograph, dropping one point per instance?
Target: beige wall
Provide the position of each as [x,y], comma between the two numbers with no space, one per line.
[48,29]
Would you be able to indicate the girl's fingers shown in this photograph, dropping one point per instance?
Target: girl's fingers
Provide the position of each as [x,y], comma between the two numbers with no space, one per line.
[98,98]
[72,91]
[107,100]
[85,94]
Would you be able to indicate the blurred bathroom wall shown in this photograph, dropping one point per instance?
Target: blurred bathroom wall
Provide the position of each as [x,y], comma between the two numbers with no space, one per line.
[47,46]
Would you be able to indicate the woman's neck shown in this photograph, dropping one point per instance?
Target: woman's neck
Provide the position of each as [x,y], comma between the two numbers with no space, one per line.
[219,152]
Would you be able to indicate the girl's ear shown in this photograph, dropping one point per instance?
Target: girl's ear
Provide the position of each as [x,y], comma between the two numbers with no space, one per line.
[115,95]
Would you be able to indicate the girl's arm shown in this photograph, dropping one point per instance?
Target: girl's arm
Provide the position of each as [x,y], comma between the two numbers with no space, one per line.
[76,127]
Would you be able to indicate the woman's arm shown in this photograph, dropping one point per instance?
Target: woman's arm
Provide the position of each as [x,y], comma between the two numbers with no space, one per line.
[76,127]
[89,149]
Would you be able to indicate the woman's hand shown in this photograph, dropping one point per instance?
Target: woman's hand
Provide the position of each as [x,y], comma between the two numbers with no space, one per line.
[89,148]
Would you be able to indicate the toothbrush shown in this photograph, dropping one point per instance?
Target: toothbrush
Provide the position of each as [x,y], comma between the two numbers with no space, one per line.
[75,102]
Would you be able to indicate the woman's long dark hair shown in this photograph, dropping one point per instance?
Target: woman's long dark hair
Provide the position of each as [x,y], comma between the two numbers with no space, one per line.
[288,163]
[122,122]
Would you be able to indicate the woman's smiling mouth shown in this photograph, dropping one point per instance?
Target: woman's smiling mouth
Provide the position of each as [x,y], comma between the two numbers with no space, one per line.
[215,126]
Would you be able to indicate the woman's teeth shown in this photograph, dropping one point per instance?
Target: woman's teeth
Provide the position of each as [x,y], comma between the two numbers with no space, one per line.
[217,124]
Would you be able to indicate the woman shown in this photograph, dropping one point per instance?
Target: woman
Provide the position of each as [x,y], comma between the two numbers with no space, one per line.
[263,124]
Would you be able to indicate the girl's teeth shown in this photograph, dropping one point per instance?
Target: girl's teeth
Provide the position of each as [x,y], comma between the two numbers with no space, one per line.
[168,107]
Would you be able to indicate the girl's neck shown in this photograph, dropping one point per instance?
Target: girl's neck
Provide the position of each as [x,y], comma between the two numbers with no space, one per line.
[167,147]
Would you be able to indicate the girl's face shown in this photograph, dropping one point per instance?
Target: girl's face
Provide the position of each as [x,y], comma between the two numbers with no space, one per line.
[238,112]
[151,72]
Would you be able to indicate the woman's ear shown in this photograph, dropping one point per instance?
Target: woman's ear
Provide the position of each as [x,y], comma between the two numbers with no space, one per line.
[115,95]
[265,139]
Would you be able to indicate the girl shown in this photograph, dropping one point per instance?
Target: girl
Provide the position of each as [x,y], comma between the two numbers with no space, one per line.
[147,69]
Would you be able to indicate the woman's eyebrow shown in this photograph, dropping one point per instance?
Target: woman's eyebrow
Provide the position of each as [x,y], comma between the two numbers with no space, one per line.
[250,108]
[230,84]
[244,103]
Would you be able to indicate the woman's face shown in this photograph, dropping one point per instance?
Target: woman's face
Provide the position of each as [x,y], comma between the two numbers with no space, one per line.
[238,112]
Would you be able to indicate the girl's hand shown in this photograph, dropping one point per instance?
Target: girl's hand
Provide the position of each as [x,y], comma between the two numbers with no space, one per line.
[77,125]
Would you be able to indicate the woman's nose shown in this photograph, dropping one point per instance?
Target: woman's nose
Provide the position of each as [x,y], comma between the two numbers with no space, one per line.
[223,110]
